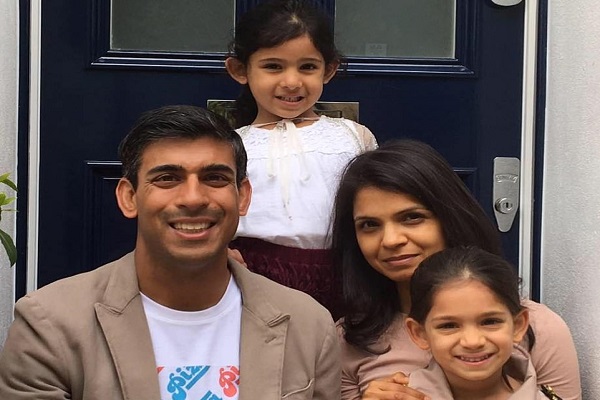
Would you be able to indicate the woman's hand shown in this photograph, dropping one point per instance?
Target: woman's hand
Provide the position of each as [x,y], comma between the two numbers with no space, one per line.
[392,388]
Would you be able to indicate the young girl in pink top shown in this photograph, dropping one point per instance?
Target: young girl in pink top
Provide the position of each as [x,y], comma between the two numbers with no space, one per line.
[466,310]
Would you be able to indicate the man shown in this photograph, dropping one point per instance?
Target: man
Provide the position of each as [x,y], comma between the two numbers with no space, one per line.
[175,319]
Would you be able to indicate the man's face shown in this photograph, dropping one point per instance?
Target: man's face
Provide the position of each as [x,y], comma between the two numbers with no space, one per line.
[187,202]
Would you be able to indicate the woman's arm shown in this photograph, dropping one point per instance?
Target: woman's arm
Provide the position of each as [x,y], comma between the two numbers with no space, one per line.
[371,377]
[553,355]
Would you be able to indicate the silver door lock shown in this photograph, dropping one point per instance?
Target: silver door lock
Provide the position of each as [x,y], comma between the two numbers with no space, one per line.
[506,191]
[504,205]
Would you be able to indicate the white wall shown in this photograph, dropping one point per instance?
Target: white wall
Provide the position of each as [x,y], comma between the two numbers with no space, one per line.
[8,137]
[571,201]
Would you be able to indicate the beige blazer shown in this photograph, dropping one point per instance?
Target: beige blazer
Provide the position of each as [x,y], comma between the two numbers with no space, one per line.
[86,337]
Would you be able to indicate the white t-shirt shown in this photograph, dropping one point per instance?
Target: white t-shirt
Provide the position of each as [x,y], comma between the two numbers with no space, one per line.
[197,353]
[294,172]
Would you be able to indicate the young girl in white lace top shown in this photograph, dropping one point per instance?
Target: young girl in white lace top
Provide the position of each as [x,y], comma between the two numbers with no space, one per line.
[283,53]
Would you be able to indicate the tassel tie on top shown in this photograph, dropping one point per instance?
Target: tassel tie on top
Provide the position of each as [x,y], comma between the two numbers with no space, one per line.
[285,141]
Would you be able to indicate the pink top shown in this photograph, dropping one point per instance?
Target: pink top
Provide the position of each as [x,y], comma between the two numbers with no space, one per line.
[432,381]
[553,356]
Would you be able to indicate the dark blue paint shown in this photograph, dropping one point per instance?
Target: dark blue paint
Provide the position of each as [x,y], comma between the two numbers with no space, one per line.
[86,110]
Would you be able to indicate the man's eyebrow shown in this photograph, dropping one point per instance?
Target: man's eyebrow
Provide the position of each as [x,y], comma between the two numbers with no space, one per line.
[178,168]
[164,168]
[218,168]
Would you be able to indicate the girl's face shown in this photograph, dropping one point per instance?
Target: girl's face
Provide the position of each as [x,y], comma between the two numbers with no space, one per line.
[286,80]
[470,334]
[395,232]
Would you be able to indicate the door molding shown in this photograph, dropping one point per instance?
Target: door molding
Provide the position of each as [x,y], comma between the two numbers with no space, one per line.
[461,65]
[530,39]
[35,60]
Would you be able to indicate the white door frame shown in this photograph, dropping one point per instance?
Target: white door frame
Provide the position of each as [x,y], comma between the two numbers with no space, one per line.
[528,143]
[35,60]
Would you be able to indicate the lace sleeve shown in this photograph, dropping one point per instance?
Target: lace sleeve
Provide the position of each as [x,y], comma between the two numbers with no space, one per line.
[364,136]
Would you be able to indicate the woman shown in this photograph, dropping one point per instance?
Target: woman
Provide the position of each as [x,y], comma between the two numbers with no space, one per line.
[395,206]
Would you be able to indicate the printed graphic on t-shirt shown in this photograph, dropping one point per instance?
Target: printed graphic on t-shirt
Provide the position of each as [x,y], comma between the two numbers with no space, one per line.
[199,382]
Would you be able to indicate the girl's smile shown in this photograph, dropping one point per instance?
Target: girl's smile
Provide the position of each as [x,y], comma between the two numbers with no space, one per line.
[286,80]
[470,333]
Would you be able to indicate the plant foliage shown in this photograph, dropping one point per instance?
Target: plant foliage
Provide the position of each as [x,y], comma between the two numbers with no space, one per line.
[5,200]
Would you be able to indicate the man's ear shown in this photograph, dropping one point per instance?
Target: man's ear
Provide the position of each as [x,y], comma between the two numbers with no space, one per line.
[126,198]
[237,70]
[521,323]
[245,196]
[330,71]
[417,333]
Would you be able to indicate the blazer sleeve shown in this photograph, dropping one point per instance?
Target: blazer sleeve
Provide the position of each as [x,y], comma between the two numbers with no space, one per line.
[32,363]
[327,374]
[553,355]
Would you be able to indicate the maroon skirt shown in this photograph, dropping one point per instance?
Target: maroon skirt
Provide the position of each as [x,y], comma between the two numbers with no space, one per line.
[310,271]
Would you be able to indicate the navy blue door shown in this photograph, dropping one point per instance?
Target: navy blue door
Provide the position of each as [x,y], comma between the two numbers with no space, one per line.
[468,107]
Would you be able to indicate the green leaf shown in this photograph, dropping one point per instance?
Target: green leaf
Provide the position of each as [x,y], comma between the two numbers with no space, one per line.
[4,179]
[6,200]
[9,246]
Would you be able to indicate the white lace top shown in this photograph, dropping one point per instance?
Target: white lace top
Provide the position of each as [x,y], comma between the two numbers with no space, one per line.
[294,174]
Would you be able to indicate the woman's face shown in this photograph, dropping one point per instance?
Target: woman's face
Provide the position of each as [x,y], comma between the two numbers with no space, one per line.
[395,232]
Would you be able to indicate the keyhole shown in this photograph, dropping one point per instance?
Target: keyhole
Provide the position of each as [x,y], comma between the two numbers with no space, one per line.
[504,205]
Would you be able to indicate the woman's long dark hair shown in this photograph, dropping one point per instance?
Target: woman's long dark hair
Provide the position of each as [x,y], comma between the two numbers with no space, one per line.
[270,24]
[410,167]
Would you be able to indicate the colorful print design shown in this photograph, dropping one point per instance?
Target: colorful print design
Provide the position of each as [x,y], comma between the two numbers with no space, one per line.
[199,382]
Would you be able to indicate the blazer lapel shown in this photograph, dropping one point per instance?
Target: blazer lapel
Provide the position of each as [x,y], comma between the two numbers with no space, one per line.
[262,346]
[121,316]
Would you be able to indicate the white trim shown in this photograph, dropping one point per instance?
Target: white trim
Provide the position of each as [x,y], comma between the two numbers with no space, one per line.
[35,59]
[527,143]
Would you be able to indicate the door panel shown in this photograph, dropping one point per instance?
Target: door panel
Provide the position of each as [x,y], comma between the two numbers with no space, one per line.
[468,107]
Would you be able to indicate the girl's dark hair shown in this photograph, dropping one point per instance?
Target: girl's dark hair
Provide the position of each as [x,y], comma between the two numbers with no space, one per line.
[465,263]
[410,167]
[270,24]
